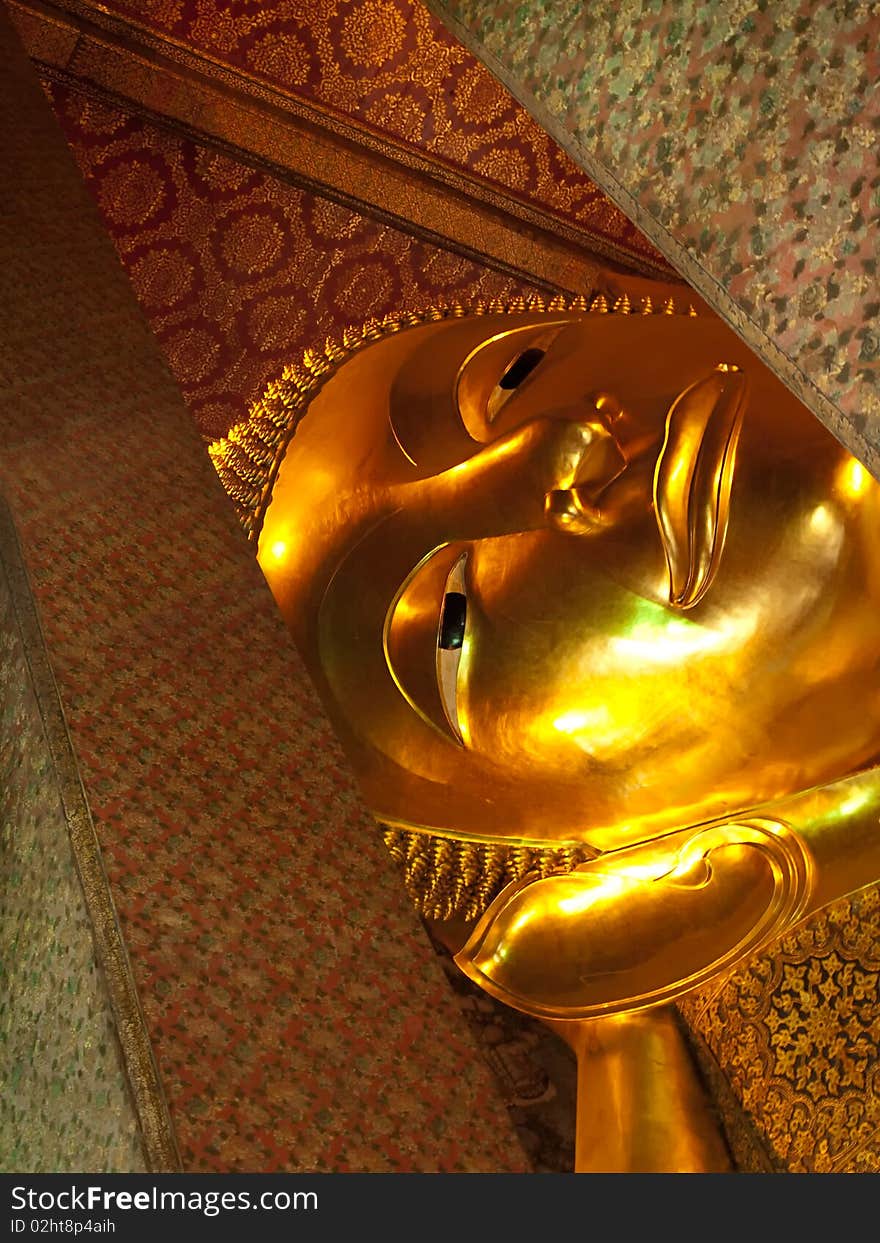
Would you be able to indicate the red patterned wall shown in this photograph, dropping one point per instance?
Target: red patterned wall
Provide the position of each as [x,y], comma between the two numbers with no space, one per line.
[297,1014]
[237,272]
[393,67]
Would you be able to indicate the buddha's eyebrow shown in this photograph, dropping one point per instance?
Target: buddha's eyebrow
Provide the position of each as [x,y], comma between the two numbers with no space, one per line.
[693,480]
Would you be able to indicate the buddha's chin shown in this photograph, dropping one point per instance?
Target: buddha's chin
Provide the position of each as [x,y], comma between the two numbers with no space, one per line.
[550,815]
[543,816]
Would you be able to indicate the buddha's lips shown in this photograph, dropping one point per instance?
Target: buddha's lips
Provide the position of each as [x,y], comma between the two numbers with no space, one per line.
[693,478]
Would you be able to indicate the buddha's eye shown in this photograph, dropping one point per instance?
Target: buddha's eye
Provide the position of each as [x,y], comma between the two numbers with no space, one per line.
[497,371]
[450,641]
[452,621]
[515,375]
[520,368]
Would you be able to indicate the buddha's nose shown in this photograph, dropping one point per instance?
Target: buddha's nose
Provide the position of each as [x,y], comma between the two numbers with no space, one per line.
[530,477]
[578,508]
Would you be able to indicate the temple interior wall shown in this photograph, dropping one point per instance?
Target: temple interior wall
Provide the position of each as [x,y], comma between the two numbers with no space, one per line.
[268,936]
[66,1103]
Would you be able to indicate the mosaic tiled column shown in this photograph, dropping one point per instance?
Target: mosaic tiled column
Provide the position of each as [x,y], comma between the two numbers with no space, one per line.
[65,1101]
[298,1017]
[742,139]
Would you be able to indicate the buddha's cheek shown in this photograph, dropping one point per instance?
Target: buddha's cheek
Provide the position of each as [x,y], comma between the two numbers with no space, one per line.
[568,675]
[592,716]
[539,707]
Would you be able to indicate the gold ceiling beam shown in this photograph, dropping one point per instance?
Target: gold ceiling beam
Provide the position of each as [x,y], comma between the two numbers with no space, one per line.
[298,142]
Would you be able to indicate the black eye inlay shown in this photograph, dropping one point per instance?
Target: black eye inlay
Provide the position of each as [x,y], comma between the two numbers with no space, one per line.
[452,621]
[520,368]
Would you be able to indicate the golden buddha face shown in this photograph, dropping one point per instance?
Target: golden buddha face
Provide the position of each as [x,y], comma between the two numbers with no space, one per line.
[560,578]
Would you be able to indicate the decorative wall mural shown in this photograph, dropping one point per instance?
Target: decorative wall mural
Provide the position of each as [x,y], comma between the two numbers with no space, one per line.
[391,66]
[237,272]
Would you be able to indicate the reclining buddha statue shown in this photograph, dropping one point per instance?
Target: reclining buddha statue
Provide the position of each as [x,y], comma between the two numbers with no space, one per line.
[593,603]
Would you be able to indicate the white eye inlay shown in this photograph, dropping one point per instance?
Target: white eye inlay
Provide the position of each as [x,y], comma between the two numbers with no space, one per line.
[450,640]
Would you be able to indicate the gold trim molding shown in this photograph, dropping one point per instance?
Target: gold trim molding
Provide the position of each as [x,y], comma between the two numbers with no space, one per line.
[308,146]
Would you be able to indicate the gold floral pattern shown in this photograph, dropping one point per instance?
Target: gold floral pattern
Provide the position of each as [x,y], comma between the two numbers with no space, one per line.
[282,57]
[372,33]
[132,192]
[238,272]
[162,276]
[797,1034]
[390,66]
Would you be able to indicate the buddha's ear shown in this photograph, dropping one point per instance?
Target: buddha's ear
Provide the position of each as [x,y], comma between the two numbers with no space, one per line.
[642,925]
[693,479]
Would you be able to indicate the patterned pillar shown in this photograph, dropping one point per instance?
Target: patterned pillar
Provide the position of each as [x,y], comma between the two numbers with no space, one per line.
[298,1018]
[742,140]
